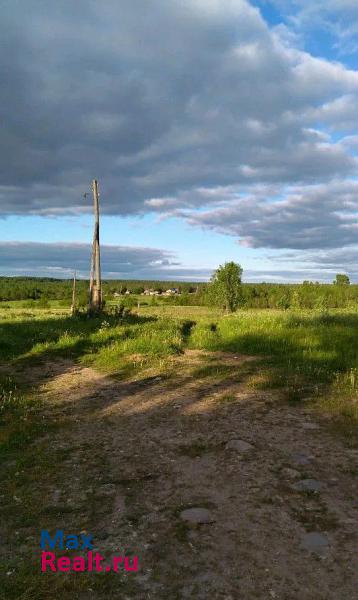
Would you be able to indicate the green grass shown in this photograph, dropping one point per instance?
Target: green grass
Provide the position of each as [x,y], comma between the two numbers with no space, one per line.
[35,305]
[309,353]
[182,312]
[214,371]
[313,343]
[136,345]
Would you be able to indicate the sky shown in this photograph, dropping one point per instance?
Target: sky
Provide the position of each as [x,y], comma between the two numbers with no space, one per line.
[218,130]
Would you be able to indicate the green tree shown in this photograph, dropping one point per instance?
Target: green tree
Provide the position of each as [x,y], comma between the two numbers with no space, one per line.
[341,279]
[225,286]
[283,302]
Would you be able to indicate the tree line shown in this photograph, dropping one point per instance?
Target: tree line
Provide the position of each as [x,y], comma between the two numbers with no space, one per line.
[339,294]
[44,288]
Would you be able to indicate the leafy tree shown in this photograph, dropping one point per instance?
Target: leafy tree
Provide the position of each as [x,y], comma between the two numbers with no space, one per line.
[283,302]
[341,279]
[225,286]
[138,289]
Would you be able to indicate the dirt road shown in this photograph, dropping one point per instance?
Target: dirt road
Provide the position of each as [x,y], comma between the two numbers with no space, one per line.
[126,460]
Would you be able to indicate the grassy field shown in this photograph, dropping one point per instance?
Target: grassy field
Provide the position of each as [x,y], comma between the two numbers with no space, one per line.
[310,354]
[302,359]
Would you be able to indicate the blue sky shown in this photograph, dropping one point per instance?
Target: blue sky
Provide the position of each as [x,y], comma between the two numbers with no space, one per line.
[218,131]
[196,249]
[324,28]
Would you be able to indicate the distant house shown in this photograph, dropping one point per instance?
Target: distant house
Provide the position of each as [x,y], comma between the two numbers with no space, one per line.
[116,295]
[151,292]
[171,292]
[127,292]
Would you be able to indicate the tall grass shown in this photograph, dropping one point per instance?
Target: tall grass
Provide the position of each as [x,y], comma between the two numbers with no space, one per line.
[314,342]
[312,351]
[138,344]
[105,342]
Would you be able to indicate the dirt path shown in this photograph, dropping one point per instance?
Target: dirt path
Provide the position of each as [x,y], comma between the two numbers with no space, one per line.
[131,457]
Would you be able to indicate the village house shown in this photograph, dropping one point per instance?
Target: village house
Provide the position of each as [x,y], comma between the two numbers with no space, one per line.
[151,292]
[171,292]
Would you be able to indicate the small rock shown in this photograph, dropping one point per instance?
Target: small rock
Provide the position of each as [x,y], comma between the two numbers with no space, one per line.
[278,499]
[239,445]
[290,473]
[315,542]
[310,426]
[307,485]
[197,516]
[302,459]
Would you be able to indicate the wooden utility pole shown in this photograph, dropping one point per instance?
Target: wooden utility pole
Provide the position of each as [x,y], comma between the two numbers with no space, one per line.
[73,306]
[90,298]
[95,276]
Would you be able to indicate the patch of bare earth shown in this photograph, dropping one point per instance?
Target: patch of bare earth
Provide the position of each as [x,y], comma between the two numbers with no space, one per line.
[140,452]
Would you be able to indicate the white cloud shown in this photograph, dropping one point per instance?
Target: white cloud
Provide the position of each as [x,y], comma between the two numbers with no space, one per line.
[196,94]
[306,217]
[194,108]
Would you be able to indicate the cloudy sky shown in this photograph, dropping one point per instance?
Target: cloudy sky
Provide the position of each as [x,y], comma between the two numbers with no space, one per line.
[218,130]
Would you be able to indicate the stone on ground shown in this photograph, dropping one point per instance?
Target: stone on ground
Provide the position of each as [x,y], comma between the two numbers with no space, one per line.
[302,459]
[310,426]
[197,516]
[239,445]
[315,542]
[290,473]
[307,485]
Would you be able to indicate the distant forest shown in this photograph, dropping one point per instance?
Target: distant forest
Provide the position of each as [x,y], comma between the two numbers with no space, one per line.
[40,291]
